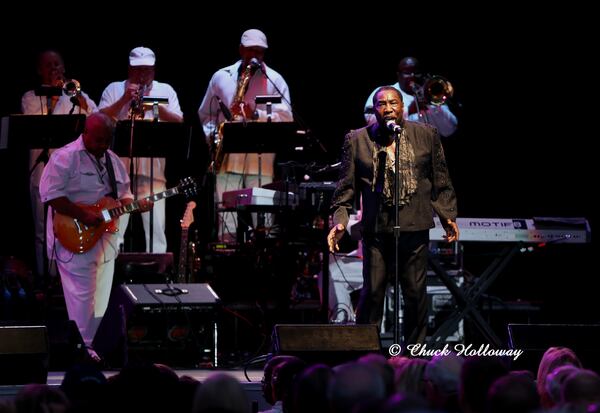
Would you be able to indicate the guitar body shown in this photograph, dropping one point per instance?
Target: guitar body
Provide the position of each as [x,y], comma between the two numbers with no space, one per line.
[78,237]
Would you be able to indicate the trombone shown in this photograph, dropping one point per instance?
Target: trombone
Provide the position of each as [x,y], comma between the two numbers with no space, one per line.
[435,90]
[71,87]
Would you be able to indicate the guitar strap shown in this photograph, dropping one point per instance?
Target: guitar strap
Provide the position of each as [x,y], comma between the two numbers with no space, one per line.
[111,176]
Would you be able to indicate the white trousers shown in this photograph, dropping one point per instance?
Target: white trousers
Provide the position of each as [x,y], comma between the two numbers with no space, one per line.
[159,243]
[86,281]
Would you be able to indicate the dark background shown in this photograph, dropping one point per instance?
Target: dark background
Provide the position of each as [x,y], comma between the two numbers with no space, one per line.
[524,78]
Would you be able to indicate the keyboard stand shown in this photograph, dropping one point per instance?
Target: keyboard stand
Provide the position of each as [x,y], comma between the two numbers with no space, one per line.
[467,302]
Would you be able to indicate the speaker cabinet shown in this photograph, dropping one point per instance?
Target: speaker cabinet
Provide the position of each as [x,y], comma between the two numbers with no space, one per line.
[326,343]
[162,323]
[23,354]
[66,346]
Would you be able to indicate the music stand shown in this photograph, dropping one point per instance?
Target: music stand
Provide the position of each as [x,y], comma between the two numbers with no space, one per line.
[20,133]
[154,102]
[268,100]
[49,92]
[261,137]
[39,131]
[152,140]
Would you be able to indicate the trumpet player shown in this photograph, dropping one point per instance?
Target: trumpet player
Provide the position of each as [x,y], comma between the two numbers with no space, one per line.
[123,99]
[51,71]
[416,105]
[230,95]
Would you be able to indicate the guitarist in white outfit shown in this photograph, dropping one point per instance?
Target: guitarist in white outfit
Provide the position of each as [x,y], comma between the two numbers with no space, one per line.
[83,172]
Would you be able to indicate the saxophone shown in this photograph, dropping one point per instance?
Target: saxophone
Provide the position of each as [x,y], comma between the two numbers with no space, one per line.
[239,112]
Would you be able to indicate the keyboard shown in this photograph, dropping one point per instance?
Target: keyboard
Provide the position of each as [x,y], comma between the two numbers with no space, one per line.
[533,230]
[258,197]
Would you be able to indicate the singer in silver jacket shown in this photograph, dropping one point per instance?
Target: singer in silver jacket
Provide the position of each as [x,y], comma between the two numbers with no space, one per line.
[368,168]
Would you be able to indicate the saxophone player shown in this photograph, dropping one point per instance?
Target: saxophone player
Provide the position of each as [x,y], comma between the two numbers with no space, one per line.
[230,95]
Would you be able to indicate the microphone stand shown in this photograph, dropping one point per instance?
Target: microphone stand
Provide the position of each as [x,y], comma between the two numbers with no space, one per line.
[132,113]
[397,237]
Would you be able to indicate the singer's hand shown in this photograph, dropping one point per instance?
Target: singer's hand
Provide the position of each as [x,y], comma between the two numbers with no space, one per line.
[452,232]
[334,236]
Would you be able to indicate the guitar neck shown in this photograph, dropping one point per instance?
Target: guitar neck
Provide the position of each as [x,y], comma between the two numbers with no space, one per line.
[135,205]
[181,273]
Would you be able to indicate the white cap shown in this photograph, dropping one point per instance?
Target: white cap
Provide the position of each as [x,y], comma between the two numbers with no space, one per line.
[254,38]
[141,56]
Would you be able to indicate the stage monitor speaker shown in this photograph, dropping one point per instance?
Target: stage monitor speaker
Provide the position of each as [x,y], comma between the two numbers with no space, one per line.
[66,346]
[163,323]
[326,343]
[535,339]
[23,354]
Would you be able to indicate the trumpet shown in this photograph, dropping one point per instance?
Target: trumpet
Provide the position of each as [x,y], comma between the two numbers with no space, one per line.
[71,87]
[436,90]
[137,104]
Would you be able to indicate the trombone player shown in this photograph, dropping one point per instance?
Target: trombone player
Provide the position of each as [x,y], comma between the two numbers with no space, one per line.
[424,99]
[69,99]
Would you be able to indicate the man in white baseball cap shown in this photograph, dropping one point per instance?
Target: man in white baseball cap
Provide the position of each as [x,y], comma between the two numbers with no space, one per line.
[223,101]
[141,56]
[254,38]
[121,100]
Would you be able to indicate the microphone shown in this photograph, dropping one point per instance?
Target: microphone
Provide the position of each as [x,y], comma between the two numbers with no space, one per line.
[254,62]
[256,65]
[224,109]
[393,126]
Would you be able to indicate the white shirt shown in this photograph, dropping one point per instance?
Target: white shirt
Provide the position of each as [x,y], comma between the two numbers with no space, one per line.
[38,105]
[223,85]
[113,93]
[115,90]
[71,172]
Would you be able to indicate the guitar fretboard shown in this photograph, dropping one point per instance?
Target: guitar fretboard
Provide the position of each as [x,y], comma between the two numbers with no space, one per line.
[135,205]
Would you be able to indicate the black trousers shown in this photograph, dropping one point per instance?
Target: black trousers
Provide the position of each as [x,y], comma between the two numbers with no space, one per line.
[378,270]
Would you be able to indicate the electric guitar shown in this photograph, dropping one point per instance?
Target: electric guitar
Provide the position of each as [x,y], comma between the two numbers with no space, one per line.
[186,221]
[80,238]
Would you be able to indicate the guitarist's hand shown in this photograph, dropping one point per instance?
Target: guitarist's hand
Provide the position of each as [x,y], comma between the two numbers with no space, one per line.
[91,217]
[145,205]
